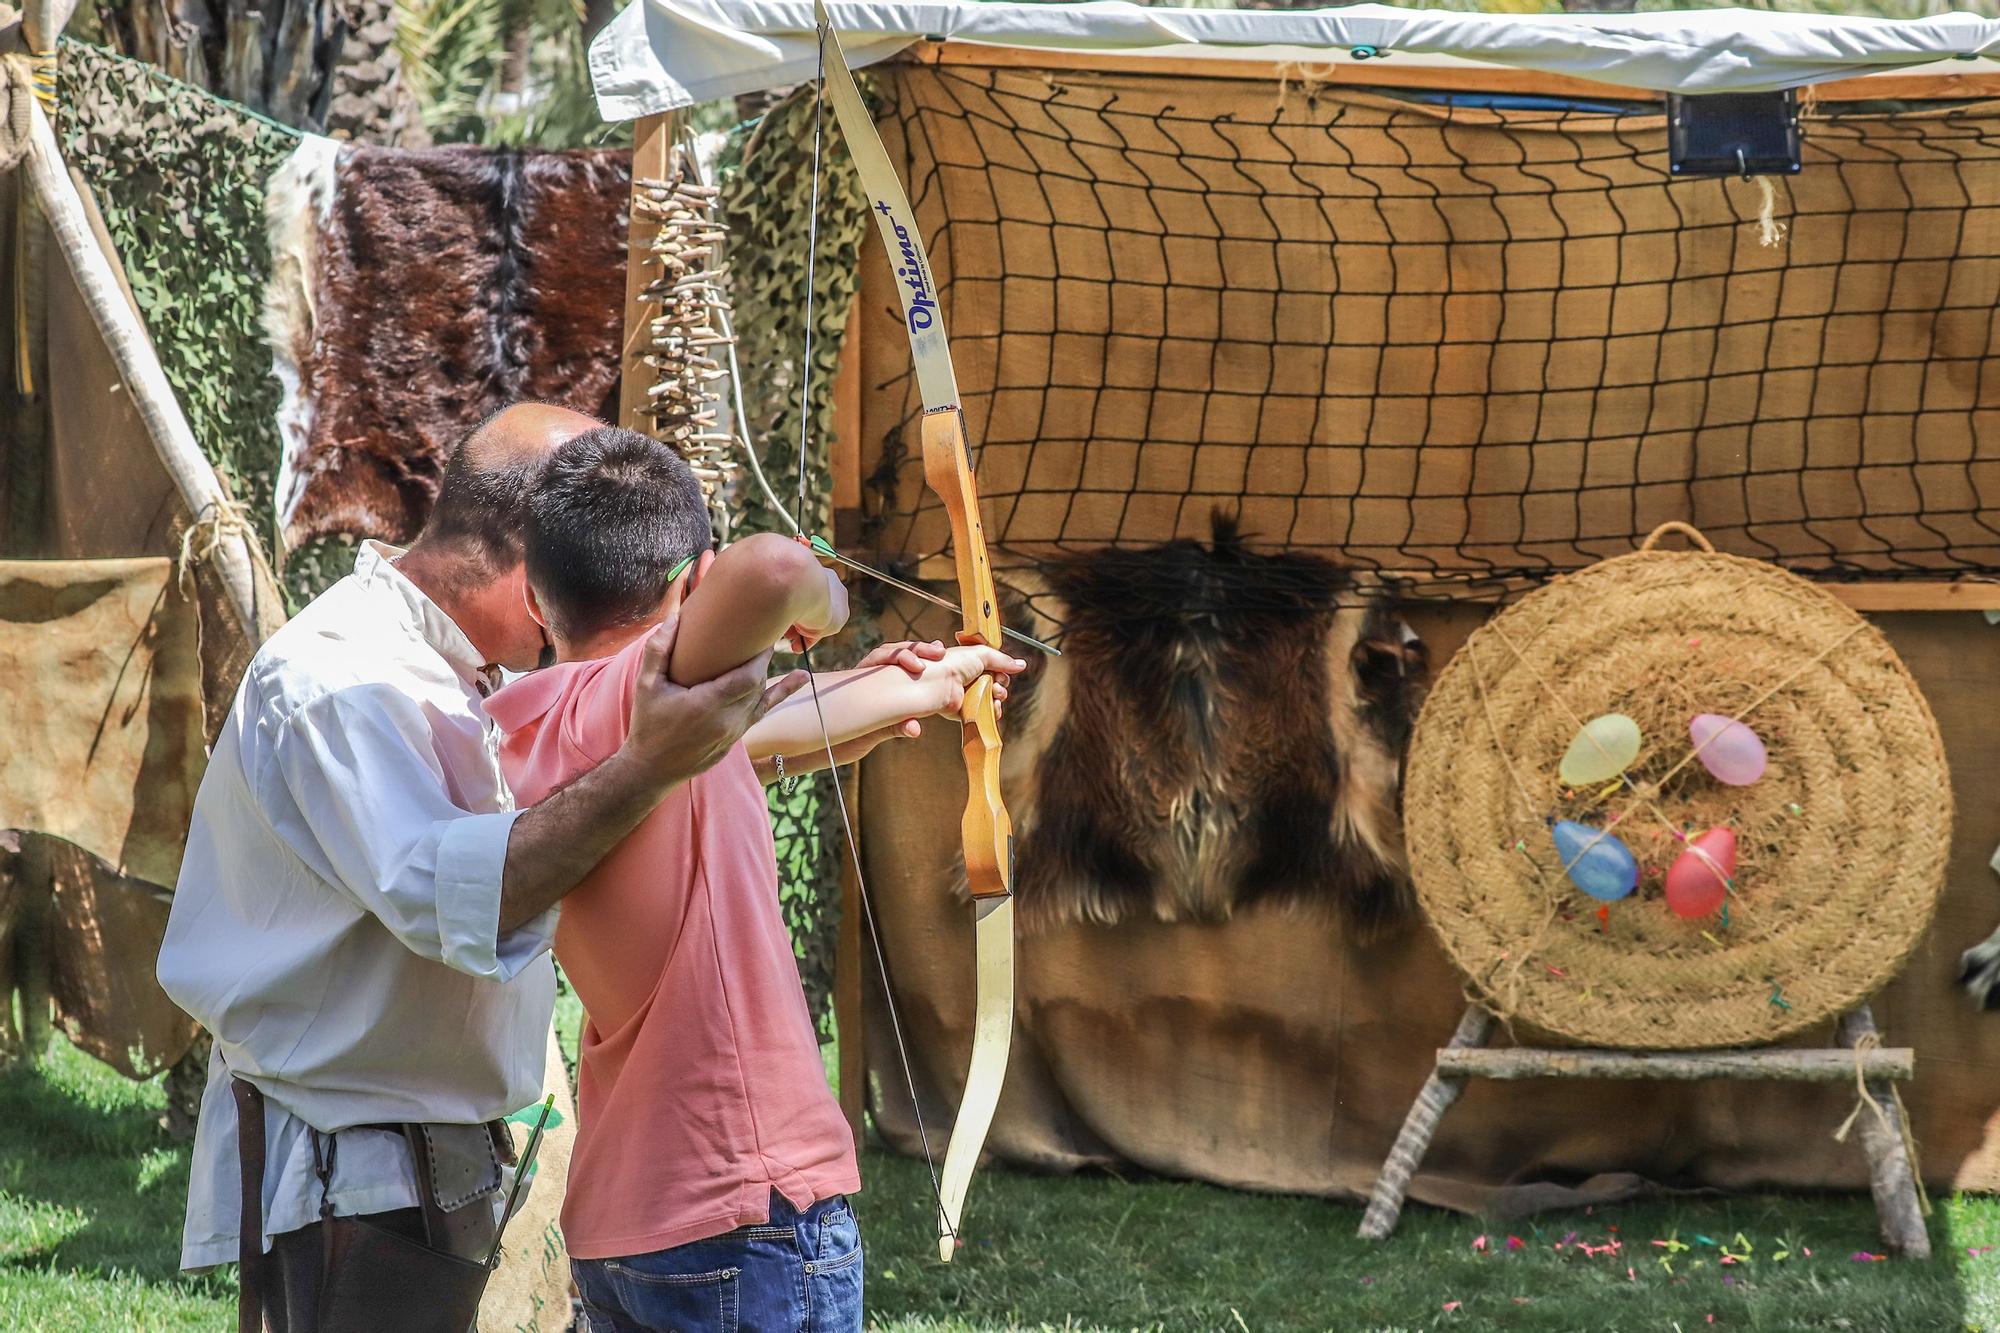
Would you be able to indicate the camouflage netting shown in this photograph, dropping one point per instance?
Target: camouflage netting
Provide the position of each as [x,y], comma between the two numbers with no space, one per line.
[766,205]
[179,177]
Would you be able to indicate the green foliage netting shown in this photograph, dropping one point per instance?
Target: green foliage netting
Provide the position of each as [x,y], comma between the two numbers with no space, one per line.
[179,175]
[766,204]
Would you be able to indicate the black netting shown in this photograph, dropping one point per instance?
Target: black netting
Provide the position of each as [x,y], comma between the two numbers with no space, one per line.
[1471,344]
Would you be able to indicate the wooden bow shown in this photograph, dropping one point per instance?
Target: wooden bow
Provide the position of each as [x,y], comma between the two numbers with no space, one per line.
[987,832]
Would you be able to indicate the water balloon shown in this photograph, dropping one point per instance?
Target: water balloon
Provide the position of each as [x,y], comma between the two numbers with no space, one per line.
[1603,748]
[1699,879]
[1595,861]
[1728,749]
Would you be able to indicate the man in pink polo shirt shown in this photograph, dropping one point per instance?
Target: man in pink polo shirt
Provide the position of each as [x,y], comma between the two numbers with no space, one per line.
[706,1188]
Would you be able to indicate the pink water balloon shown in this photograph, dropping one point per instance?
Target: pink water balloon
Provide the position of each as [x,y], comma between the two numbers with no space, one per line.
[1727,749]
[1700,877]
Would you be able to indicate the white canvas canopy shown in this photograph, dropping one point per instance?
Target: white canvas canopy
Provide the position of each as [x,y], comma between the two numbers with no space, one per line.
[659,55]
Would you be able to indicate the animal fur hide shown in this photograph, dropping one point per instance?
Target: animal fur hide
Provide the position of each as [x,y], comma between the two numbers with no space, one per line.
[441,285]
[1230,734]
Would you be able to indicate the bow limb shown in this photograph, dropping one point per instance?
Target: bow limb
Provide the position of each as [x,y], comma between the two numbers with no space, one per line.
[986,831]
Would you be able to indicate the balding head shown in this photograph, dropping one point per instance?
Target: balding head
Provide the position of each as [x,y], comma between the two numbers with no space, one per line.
[468,557]
[523,434]
[476,520]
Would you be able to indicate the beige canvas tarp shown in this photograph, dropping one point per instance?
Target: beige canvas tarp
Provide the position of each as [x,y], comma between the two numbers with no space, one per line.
[102,710]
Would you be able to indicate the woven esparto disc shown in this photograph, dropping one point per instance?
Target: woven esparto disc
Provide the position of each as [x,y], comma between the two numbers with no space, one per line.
[1841,844]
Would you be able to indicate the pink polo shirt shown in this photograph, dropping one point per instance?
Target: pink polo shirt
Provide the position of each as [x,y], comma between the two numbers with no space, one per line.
[701,1088]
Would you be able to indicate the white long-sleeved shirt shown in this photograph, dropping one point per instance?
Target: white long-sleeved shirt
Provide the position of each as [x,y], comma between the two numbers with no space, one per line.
[336,924]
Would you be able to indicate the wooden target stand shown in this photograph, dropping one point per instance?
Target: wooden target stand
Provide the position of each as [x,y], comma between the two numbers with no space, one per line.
[1857,1057]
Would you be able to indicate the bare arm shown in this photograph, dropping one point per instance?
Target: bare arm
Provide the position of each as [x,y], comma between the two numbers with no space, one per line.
[862,702]
[754,593]
[676,733]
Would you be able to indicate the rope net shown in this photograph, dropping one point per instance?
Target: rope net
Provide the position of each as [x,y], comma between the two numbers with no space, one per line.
[1474,345]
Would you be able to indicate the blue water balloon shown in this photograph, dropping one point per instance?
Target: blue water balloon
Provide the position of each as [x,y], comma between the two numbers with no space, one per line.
[1595,861]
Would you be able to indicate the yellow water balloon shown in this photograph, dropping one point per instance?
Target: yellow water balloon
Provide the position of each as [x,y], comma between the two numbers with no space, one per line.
[1603,748]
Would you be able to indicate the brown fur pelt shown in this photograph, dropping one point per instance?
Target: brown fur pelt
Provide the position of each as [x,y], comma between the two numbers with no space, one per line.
[450,282]
[1226,730]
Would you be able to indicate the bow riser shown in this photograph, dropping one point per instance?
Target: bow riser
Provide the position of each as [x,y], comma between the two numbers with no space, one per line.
[987,830]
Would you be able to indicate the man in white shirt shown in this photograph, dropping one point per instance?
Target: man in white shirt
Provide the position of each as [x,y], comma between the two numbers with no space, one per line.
[363,918]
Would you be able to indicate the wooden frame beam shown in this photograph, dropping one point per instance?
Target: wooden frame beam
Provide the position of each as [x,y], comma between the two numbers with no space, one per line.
[1803,1066]
[1867,596]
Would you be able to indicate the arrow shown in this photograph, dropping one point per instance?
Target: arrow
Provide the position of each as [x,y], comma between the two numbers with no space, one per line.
[822,548]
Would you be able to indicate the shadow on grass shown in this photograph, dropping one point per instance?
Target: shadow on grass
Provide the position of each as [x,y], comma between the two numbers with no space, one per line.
[89,1183]
[1095,1252]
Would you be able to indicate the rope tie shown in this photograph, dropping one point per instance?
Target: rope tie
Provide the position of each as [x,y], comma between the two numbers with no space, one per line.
[1866,1100]
[221,520]
[26,75]
[1770,231]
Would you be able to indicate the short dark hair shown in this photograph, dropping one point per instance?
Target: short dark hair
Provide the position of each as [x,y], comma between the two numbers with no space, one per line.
[608,519]
[479,511]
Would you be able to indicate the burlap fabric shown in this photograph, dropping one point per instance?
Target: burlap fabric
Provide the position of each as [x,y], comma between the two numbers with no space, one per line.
[1841,844]
[101,709]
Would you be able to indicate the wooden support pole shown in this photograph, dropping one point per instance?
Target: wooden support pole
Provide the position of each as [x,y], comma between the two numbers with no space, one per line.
[1440,1090]
[1891,1174]
[652,153]
[844,457]
[1825,1066]
[42,22]
[849,955]
[152,396]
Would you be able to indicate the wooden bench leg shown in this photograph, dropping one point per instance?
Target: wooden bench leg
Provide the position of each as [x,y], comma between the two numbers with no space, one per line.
[1385,1203]
[1890,1176]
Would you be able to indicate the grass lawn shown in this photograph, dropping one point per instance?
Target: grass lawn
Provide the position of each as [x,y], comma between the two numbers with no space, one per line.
[91,1194]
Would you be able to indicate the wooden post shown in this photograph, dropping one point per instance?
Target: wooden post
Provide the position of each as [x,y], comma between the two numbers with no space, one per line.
[1440,1090]
[1753,1066]
[844,458]
[849,959]
[1891,1174]
[33,943]
[652,153]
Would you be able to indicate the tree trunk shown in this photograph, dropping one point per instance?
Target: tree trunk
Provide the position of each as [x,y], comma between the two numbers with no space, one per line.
[323,66]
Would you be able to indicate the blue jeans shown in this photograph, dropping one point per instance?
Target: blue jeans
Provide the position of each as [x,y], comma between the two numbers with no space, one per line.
[798,1273]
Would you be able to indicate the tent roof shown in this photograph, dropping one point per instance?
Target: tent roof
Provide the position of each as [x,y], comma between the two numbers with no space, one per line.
[659,55]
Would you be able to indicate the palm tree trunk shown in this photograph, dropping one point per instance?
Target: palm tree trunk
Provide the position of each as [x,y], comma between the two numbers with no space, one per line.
[319,65]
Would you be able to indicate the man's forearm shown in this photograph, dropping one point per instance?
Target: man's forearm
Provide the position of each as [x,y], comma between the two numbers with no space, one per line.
[560,840]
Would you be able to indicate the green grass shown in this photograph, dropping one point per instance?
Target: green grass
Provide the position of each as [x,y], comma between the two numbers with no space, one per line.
[91,1196]
[1101,1253]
